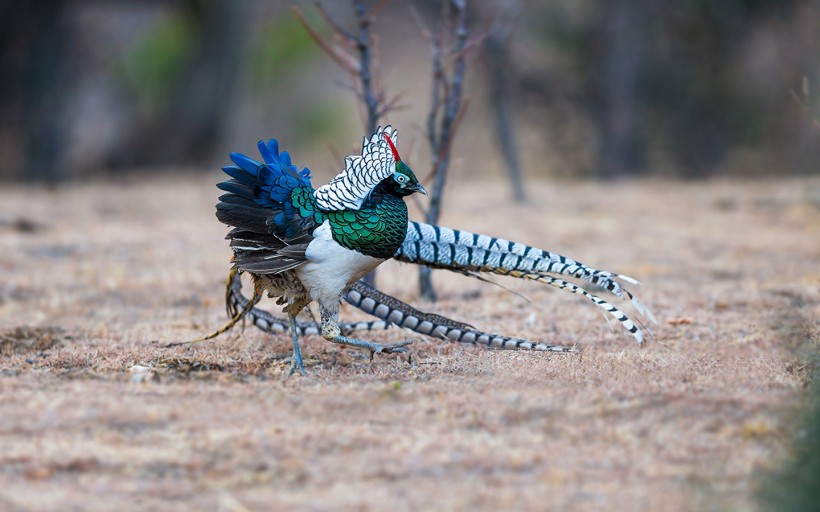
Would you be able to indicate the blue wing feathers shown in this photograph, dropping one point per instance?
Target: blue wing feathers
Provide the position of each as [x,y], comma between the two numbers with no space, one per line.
[236,187]
[285,158]
[240,175]
[270,230]
[269,150]
[267,185]
[247,164]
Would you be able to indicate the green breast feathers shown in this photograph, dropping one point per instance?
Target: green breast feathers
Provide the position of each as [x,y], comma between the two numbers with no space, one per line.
[377,229]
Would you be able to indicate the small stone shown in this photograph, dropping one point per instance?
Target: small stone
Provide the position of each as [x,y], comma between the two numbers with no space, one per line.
[529,323]
[141,374]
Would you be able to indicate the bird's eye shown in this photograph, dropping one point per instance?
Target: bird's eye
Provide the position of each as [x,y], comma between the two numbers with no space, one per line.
[401,178]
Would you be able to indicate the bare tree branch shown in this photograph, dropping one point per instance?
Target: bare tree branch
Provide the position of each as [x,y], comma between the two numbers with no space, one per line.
[804,103]
[342,59]
[446,147]
[392,104]
[363,43]
[375,9]
[446,108]
[425,31]
[363,68]
[341,32]
[450,45]
[497,49]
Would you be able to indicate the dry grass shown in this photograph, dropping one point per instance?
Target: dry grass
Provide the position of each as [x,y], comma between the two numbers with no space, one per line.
[102,276]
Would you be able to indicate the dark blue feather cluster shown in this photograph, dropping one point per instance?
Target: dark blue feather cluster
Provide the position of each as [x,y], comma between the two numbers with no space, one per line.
[270,184]
[277,176]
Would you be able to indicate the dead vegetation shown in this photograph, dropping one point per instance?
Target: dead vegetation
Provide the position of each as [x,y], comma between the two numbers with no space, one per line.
[20,340]
[96,414]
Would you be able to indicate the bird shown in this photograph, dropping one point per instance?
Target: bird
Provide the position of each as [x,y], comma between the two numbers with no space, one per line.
[459,251]
[304,245]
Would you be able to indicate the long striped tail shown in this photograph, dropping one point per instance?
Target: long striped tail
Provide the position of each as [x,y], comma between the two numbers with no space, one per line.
[470,253]
[391,311]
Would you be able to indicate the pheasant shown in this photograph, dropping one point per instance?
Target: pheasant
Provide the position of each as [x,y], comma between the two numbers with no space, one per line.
[444,248]
[302,245]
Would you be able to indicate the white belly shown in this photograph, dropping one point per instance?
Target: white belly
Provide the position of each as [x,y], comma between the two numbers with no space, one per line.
[331,268]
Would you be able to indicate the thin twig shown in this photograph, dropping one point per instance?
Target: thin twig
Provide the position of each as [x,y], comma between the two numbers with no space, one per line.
[376,66]
[469,47]
[391,105]
[806,108]
[375,9]
[446,110]
[435,95]
[364,46]
[452,106]
[425,31]
[344,34]
[365,71]
[446,145]
[343,60]
[351,87]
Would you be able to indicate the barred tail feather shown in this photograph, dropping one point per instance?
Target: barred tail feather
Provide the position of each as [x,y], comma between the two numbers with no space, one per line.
[562,284]
[461,251]
[454,249]
[391,311]
[641,308]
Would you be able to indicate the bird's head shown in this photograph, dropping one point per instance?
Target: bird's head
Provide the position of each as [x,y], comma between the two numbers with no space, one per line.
[403,180]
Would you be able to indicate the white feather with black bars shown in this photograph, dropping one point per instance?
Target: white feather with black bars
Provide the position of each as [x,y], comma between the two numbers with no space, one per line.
[349,189]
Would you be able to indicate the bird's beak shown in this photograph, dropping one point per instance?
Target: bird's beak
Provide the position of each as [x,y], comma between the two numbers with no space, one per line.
[420,189]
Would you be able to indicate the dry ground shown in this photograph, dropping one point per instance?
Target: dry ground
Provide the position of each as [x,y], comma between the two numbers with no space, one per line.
[101,276]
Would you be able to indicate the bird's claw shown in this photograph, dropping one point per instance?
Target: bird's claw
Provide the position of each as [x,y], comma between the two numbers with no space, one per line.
[374,348]
[393,348]
[398,347]
[299,369]
[297,366]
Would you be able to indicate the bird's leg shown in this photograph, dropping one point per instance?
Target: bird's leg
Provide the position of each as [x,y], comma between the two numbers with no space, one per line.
[296,359]
[332,333]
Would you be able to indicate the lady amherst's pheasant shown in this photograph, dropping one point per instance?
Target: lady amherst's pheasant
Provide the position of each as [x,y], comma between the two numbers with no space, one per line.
[360,219]
[303,245]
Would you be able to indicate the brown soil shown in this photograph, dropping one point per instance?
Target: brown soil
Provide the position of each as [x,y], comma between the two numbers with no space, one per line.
[96,415]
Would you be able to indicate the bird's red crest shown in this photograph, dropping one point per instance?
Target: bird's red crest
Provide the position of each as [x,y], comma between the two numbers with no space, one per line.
[392,147]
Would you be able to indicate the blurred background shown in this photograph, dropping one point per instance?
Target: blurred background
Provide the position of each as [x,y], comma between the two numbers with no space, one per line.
[589,88]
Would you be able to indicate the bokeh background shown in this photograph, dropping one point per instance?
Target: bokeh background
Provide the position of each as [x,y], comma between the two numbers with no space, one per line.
[674,141]
[590,88]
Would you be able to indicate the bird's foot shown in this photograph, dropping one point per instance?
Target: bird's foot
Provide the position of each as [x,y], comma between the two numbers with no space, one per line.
[296,364]
[374,348]
[297,367]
